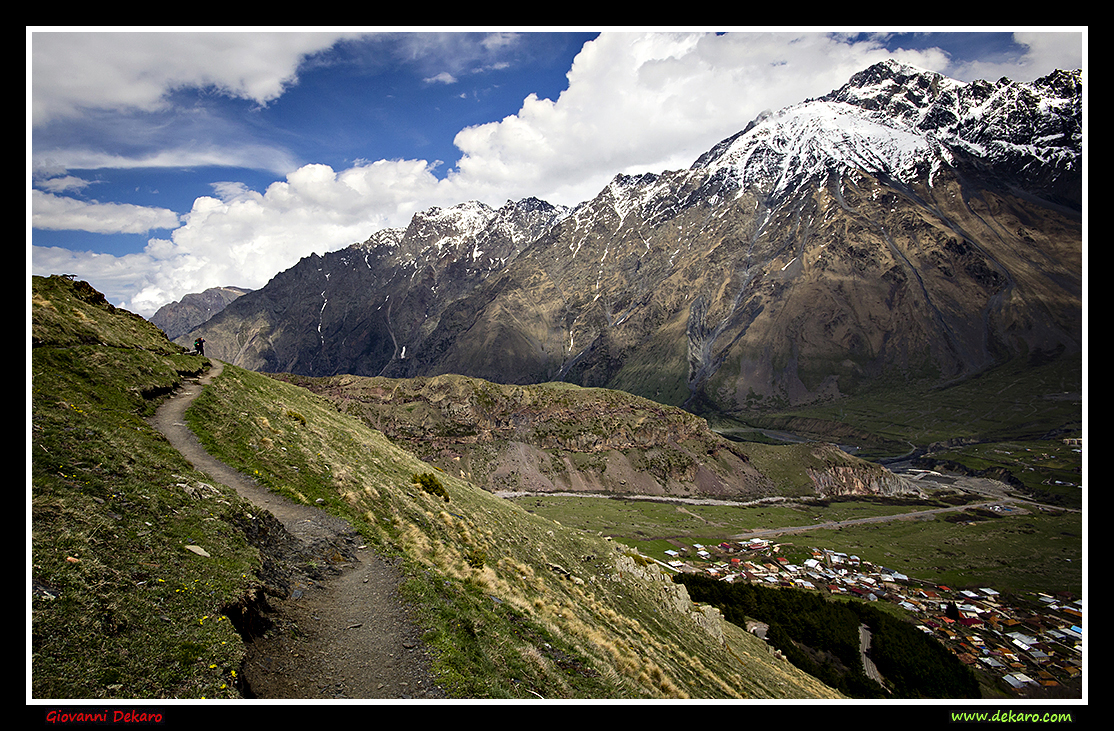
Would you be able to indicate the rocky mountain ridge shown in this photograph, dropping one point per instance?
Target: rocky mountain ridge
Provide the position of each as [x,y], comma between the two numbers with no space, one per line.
[178,318]
[358,309]
[558,437]
[1032,131]
[905,228]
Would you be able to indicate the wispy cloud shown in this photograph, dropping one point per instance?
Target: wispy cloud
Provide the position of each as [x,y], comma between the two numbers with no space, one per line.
[62,184]
[442,78]
[50,211]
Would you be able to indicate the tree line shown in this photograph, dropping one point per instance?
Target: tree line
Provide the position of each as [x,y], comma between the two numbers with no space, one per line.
[821,637]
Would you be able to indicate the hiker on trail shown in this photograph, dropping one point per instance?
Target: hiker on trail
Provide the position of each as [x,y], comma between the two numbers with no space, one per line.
[199,346]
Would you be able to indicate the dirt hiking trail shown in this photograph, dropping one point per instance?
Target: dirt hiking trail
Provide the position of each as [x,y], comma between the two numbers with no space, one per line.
[333,624]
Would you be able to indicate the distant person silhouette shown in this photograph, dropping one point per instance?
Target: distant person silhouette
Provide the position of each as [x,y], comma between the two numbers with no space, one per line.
[199,346]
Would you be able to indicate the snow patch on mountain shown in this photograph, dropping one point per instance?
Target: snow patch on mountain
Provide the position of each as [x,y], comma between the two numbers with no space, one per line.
[810,140]
[897,120]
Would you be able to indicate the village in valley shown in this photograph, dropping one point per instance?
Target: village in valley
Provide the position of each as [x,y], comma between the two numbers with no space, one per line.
[1032,644]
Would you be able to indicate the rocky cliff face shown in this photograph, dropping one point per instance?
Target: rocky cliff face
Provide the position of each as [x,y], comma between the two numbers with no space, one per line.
[906,228]
[178,318]
[837,480]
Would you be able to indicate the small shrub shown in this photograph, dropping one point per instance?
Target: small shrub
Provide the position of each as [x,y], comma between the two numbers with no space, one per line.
[429,482]
[296,417]
[476,558]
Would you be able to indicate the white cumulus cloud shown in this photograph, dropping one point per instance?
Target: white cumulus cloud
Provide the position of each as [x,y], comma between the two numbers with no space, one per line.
[80,70]
[635,102]
[244,237]
[654,101]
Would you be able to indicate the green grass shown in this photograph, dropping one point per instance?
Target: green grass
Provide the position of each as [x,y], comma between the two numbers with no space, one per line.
[120,609]
[1040,550]
[653,526]
[1018,400]
[547,614]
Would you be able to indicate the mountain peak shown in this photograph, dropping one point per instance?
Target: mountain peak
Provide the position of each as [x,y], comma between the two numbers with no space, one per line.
[693,284]
[811,140]
[901,121]
[897,89]
[178,318]
[889,69]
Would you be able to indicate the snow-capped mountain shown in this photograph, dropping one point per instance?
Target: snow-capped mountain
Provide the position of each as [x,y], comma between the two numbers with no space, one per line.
[1025,126]
[904,226]
[814,140]
[904,124]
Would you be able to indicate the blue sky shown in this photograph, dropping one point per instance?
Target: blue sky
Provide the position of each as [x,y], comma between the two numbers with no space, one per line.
[166,160]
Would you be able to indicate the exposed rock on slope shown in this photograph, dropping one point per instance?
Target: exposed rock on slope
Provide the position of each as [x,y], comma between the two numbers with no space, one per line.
[859,479]
[364,308]
[178,318]
[557,437]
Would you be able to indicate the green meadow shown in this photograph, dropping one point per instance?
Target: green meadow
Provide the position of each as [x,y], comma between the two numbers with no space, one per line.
[1032,550]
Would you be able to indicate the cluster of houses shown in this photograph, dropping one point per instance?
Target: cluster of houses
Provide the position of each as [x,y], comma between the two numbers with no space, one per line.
[1029,648]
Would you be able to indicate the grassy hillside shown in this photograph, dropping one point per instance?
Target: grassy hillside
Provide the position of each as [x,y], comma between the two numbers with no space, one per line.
[513,605]
[1025,399]
[119,607]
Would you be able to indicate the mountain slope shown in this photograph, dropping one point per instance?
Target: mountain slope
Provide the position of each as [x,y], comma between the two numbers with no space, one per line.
[116,600]
[178,318]
[821,249]
[359,309]
[513,605]
[905,229]
[557,437]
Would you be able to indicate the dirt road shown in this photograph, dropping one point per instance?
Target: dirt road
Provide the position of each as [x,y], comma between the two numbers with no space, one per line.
[837,524]
[341,630]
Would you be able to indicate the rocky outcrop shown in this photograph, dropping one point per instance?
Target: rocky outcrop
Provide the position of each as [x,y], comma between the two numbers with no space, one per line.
[548,437]
[860,479]
[178,318]
[672,596]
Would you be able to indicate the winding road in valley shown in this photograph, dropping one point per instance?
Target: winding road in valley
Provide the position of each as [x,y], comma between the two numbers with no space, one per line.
[994,491]
[914,515]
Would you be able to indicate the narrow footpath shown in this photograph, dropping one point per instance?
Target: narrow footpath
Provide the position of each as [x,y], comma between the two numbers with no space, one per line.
[340,630]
